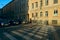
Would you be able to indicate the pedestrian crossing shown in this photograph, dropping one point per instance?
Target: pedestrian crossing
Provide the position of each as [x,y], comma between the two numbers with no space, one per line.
[24,36]
[34,33]
[9,36]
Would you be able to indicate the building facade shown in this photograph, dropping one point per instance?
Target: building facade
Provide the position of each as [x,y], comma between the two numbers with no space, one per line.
[44,11]
[9,11]
[17,9]
[24,10]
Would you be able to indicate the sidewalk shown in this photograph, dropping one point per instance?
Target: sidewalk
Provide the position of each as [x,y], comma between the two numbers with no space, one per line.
[30,24]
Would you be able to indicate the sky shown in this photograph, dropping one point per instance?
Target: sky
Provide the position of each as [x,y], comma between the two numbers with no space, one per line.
[4,3]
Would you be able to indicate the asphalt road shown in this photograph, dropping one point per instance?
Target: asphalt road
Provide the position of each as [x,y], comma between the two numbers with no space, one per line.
[30,32]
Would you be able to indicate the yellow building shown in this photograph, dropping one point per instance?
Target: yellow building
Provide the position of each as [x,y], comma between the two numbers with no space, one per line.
[45,11]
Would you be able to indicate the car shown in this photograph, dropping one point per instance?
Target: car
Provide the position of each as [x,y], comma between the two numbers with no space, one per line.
[4,22]
[20,21]
[14,22]
[23,22]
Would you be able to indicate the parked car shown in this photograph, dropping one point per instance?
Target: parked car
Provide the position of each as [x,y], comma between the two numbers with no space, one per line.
[14,22]
[20,21]
[4,22]
[23,22]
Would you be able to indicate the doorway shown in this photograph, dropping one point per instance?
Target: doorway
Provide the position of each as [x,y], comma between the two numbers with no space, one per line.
[46,22]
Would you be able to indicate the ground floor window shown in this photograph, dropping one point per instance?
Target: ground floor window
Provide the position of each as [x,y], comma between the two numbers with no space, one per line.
[46,22]
[54,21]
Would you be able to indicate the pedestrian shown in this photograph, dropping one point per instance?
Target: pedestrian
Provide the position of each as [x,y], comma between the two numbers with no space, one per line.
[31,22]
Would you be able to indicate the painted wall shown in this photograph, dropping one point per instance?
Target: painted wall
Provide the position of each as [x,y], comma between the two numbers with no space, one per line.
[50,8]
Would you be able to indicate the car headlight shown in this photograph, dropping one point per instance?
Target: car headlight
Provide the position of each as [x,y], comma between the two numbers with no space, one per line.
[17,22]
[14,22]
[2,24]
[9,23]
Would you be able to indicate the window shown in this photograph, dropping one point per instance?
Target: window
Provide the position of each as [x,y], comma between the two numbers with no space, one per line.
[55,12]
[54,21]
[46,2]
[32,14]
[46,22]
[46,13]
[40,14]
[36,4]
[55,1]
[40,4]
[32,5]
[36,14]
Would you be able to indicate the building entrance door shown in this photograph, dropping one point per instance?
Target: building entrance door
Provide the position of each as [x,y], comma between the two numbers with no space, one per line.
[46,22]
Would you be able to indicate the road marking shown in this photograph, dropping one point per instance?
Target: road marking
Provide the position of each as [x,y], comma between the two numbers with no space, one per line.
[40,33]
[26,29]
[9,36]
[46,32]
[31,34]
[35,30]
[24,36]
[38,36]
[29,29]
[21,30]
[47,39]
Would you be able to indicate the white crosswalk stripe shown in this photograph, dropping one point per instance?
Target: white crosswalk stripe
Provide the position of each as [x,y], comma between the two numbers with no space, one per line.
[47,39]
[31,34]
[38,36]
[35,30]
[9,36]
[29,29]
[24,36]
[42,32]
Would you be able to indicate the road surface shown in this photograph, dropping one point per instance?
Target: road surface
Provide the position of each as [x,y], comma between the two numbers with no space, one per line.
[30,32]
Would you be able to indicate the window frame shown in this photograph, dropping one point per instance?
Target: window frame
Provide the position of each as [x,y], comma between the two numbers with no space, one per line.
[55,1]
[32,5]
[46,13]
[54,21]
[55,12]
[36,4]
[36,15]
[46,2]
[41,14]
[32,14]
